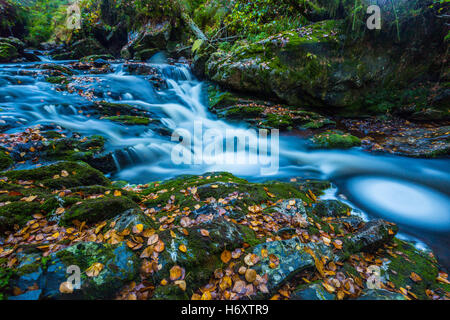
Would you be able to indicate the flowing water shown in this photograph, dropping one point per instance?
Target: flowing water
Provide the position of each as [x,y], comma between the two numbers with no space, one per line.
[411,192]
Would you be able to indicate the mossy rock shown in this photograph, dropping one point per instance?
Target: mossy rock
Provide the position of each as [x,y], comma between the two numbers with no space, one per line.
[130,120]
[407,259]
[169,292]
[80,174]
[117,109]
[7,52]
[100,209]
[335,140]
[94,57]
[120,266]
[5,160]
[203,253]
[17,213]
[57,80]
[243,112]
[57,67]
[330,208]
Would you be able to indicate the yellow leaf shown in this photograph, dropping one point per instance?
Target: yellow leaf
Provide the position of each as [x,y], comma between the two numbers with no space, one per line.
[204,232]
[176,273]
[138,228]
[117,193]
[94,270]
[250,275]
[225,256]
[182,248]
[66,287]
[60,210]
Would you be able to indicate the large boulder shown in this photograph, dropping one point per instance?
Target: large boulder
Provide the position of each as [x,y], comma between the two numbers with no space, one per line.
[117,265]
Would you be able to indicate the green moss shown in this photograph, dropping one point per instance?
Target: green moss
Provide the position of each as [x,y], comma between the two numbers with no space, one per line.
[408,259]
[71,149]
[243,112]
[336,140]
[169,292]
[130,120]
[278,121]
[17,213]
[94,57]
[80,174]
[57,67]
[5,160]
[57,80]
[7,52]
[100,209]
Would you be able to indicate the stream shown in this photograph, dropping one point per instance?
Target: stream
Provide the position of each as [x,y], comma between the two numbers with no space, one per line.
[415,193]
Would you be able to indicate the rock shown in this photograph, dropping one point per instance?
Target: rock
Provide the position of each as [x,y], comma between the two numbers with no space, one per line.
[371,237]
[120,266]
[287,209]
[80,174]
[131,218]
[330,208]
[98,63]
[381,295]
[151,36]
[96,210]
[7,52]
[203,252]
[312,292]
[292,260]
[420,142]
[335,140]
[30,295]
[18,44]
[82,48]
[5,160]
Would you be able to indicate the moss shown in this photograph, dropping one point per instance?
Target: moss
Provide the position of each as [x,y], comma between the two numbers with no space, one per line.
[100,209]
[130,120]
[408,259]
[169,292]
[250,237]
[278,121]
[336,140]
[17,213]
[243,112]
[7,52]
[57,67]
[94,57]
[80,174]
[116,109]
[57,80]
[71,149]
[5,160]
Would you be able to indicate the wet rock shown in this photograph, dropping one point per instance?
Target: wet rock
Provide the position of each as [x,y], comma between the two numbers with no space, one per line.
[140,69]
[330,208]
[79,174]
[292,260]
[96,210]
[28,296]
[119,266]
[312,292]
[151,36]
[291,207]
[82,48]
[351,223]
[203,252]
[7,52]
[335,140]
[420,142]
[131,218]
[57,67]
[371,237]
[381,295]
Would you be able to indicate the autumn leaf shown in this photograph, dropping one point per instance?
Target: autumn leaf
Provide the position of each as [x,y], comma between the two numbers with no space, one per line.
[138,228]
[175,273]
[94,270]
[66,288]
[225,256]
[60,210]
[153,239]
[250,275]
[117,193]
[182,248]
[415,277]
[159,247]
[181,284]
[204,232]
[147,252]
